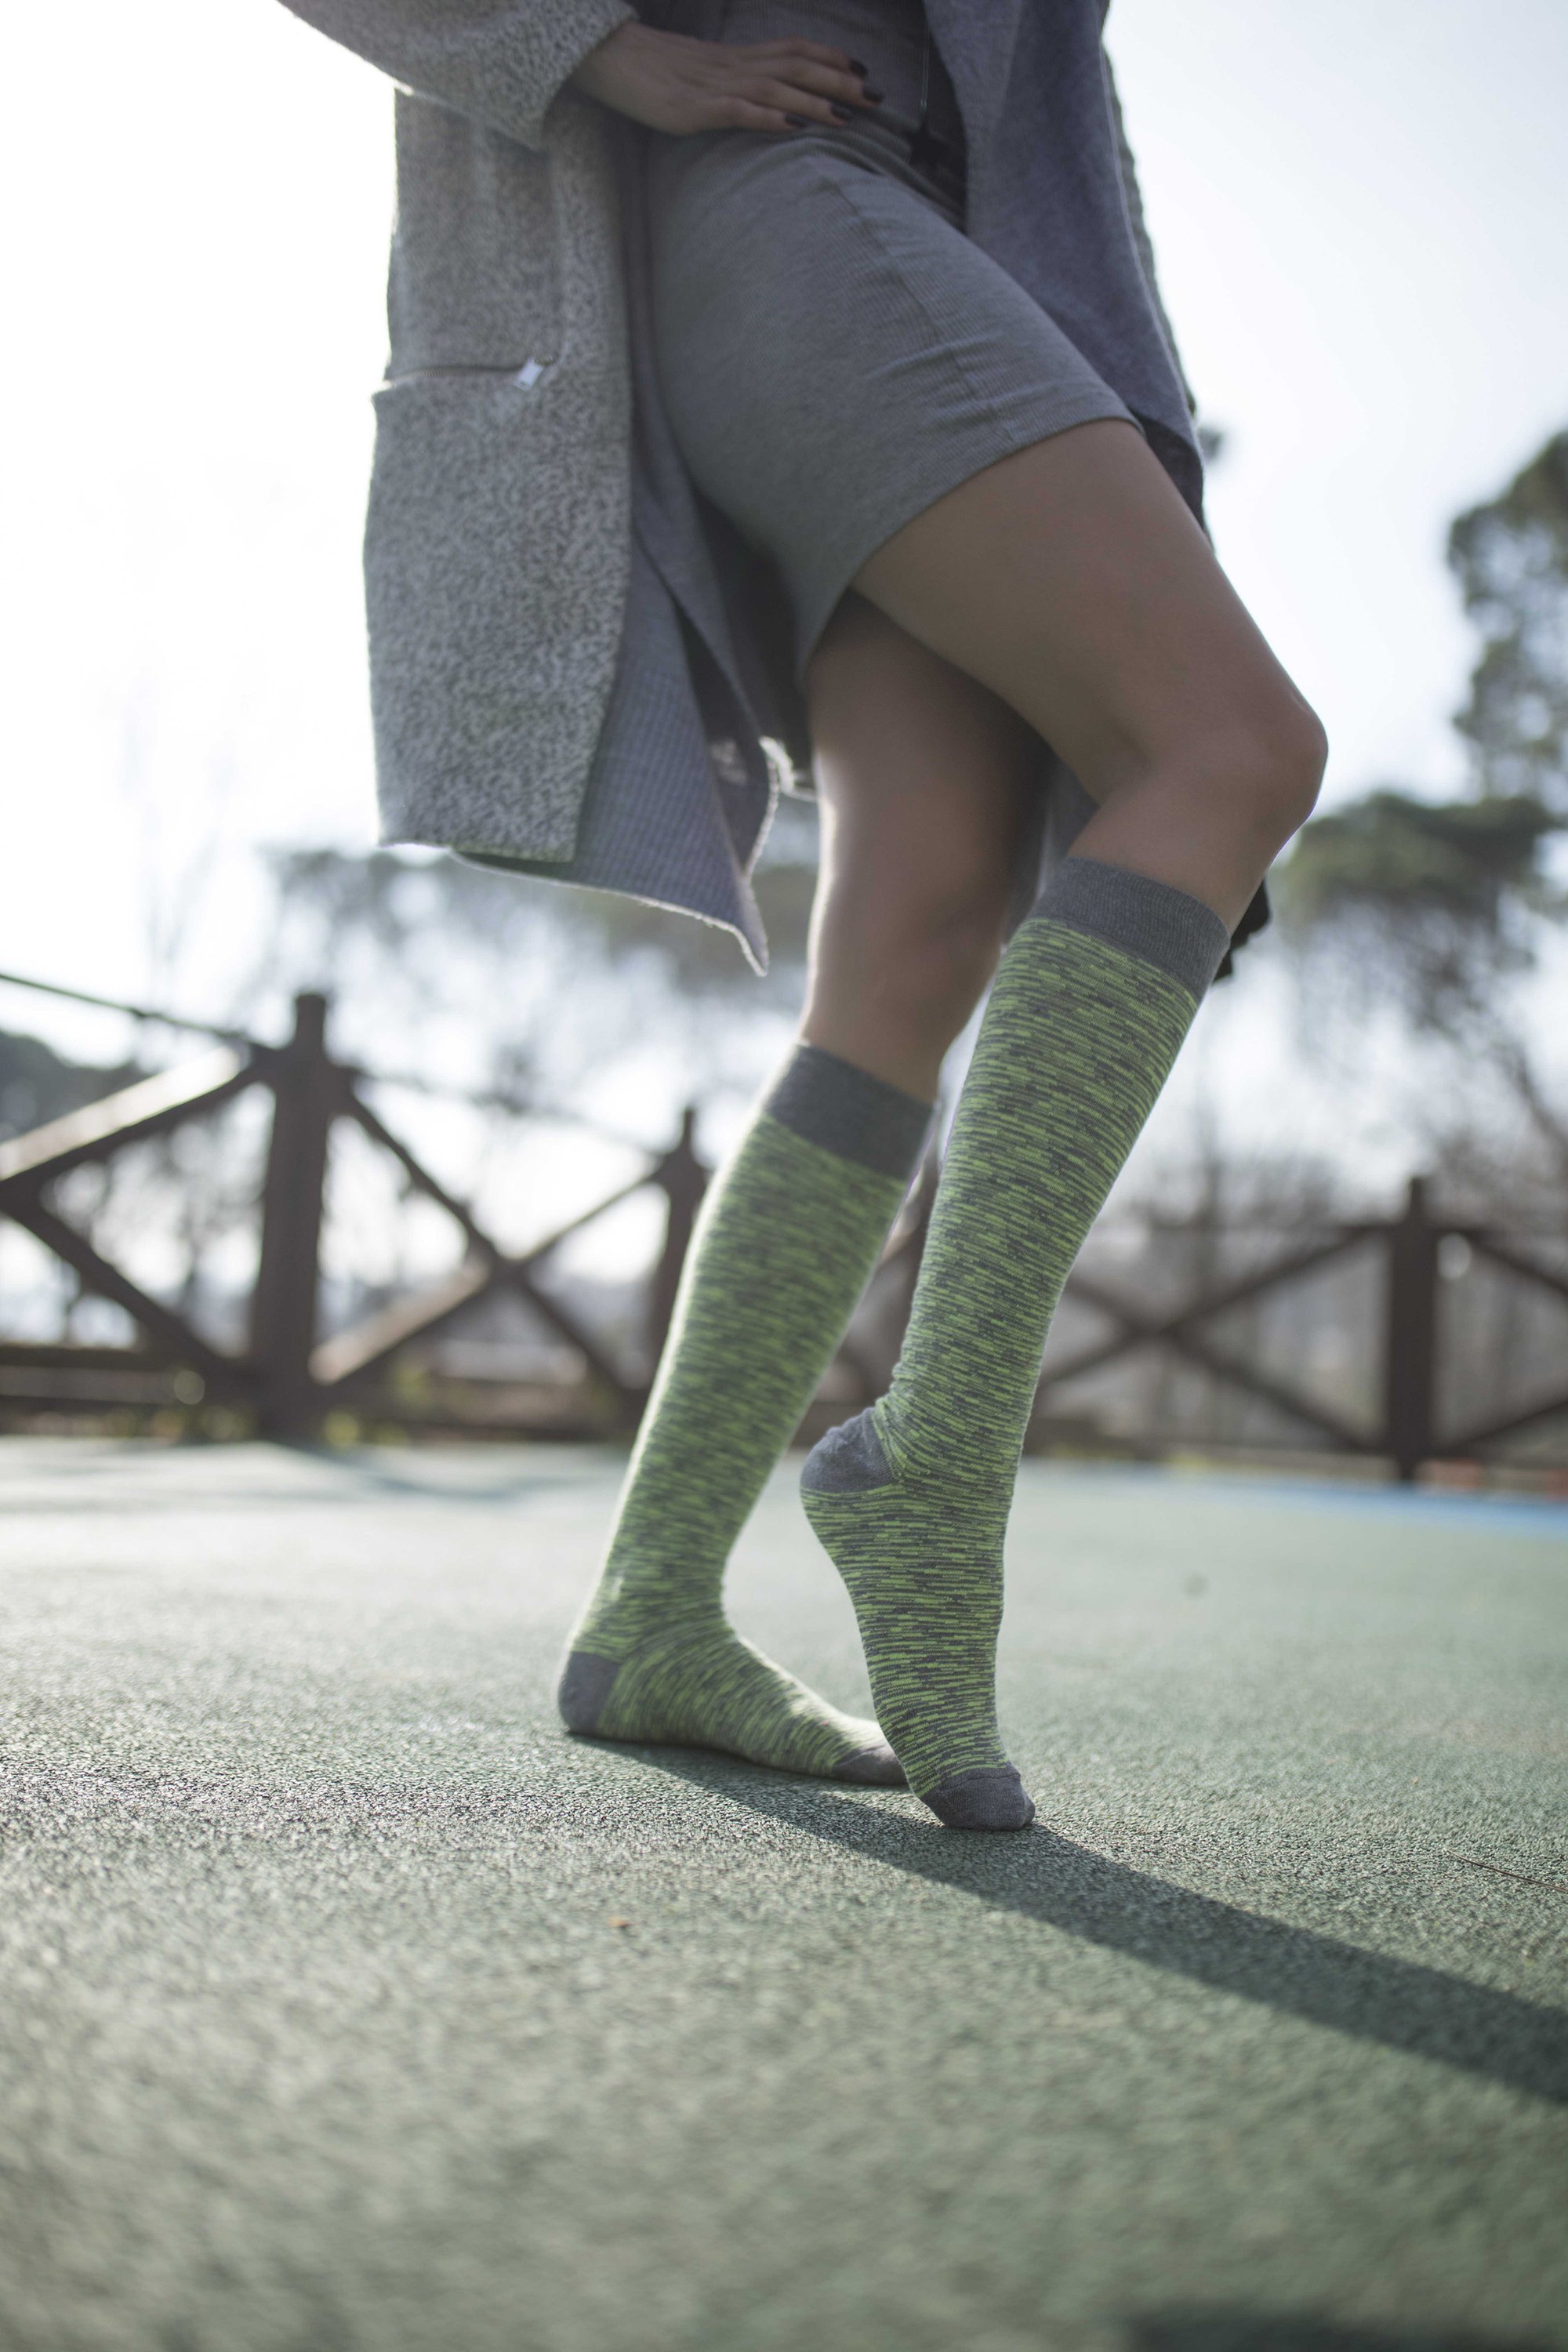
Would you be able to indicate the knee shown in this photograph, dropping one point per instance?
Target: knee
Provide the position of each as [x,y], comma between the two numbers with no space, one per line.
[1300,754]
[1275,762]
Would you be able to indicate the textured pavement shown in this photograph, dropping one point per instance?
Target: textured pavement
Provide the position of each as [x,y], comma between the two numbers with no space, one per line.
[347,2004]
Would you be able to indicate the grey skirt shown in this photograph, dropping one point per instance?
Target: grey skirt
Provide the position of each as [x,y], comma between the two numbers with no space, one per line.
[834,353]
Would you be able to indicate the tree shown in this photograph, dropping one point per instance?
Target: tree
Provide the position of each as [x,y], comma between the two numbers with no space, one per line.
[1441,908]
[37,1085]
[536,989]
[1434,903]
[1510,558]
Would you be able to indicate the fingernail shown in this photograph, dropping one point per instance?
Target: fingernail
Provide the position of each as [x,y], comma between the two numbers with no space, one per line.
[872,97]
[844,114]
[798,121]
[855,66]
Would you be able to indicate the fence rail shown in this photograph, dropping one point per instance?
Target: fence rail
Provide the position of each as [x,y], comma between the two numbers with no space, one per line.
[287,1380]
[1407,1433]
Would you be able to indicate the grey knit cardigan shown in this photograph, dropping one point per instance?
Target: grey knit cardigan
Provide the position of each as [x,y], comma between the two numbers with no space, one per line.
[576,668]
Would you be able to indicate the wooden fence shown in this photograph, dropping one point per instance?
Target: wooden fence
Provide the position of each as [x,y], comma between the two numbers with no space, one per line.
[286,1381]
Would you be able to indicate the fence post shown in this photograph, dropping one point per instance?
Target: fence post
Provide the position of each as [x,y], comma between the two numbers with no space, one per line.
[683,1179]
[284,1305]
[1410,1335]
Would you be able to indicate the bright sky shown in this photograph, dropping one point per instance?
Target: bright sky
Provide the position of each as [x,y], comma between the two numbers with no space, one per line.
[1360,213]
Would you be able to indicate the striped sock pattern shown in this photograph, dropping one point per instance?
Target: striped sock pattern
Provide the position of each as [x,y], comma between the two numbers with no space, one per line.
[786,1241]
[910,1499]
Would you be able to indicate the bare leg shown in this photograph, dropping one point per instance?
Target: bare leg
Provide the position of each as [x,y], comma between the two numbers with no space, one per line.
[923,779]
[1071,580]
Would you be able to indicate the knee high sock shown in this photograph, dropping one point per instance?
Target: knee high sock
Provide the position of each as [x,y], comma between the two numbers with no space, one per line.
[786,1241]
[1094,996]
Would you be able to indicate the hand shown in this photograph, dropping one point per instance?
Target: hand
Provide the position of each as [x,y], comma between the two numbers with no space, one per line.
[678,85]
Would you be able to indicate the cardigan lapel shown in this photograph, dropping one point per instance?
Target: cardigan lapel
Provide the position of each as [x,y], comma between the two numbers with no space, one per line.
[976,39]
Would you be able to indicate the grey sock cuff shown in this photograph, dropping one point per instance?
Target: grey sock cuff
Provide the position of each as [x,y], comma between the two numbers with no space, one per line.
[849,1111]
[1146,918]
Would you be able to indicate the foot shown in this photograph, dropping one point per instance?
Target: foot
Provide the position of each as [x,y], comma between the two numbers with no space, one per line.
[922,1561]
[702,1686]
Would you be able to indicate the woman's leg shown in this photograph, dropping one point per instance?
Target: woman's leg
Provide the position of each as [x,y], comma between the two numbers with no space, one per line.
[922,777]
[1071,580]
[921,773]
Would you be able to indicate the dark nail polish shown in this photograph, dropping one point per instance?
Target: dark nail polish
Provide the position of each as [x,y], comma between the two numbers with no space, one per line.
[855,66]
[872,97]
[844,114]
[798,121]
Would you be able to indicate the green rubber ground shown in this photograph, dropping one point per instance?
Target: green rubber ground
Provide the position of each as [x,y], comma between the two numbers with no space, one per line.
[348,2004]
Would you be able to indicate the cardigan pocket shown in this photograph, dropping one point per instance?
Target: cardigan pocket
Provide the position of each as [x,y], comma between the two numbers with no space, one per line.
[495,560]
[520,379]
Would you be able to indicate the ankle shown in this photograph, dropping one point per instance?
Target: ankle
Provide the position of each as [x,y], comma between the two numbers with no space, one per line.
[626,1618]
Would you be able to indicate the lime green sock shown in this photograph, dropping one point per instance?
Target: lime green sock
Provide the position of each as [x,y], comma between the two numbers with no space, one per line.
[788,1235]
[1094,996]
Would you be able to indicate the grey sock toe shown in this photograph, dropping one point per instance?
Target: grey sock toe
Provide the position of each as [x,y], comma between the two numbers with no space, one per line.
[872,1768]
[993,1797]
[583,1687]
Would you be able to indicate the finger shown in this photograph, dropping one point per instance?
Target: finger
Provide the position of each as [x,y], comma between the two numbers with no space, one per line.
[742,114]
[804,104]
[844,90]
[839,59]
[829,73]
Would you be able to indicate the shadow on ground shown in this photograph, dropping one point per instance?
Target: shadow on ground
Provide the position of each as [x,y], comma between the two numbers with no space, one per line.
[1245,2331]
[1422,2012]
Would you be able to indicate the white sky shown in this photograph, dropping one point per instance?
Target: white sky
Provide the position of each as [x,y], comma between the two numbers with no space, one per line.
[1359,207]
